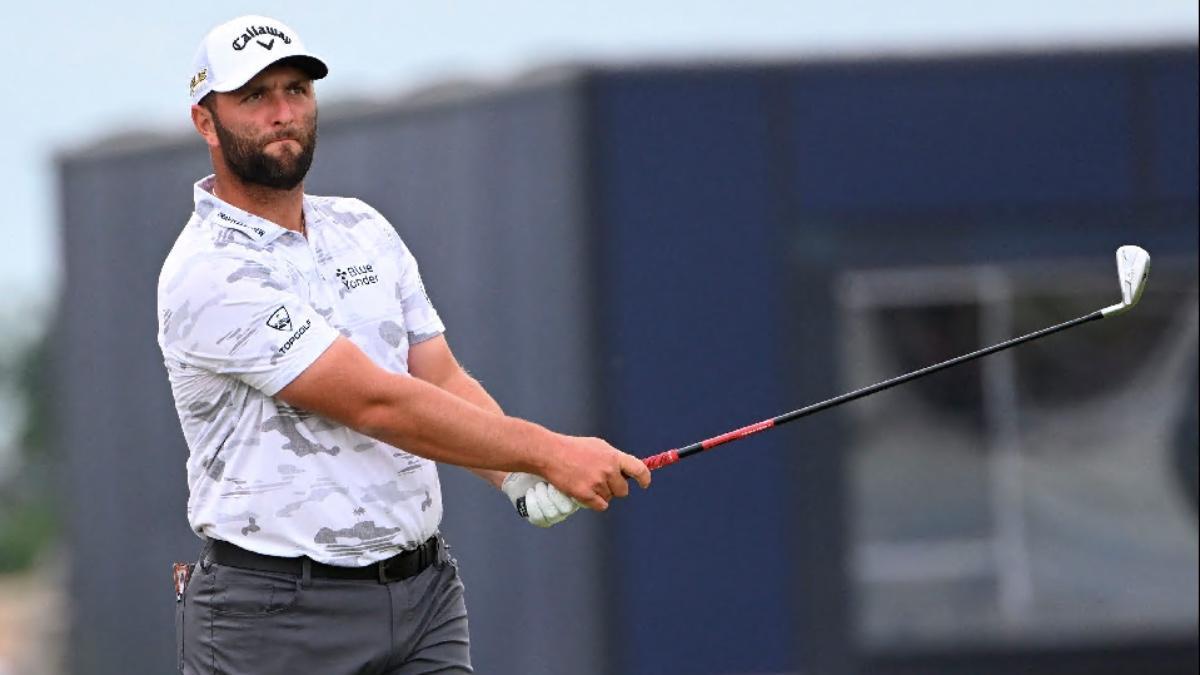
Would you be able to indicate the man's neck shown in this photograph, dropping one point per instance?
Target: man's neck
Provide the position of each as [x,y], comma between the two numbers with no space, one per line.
[282,207]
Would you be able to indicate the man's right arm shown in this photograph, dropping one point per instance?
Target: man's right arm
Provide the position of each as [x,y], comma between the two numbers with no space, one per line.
[344,385]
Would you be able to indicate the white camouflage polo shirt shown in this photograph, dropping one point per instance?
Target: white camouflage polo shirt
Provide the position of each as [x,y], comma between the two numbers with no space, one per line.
[244,306]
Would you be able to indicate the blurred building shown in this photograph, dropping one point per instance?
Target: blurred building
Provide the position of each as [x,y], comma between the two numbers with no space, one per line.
[660,254]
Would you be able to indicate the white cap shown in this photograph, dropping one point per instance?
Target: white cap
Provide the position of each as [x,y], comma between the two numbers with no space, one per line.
[234,52]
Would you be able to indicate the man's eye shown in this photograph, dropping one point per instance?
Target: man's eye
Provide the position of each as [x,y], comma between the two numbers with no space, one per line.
[253,97]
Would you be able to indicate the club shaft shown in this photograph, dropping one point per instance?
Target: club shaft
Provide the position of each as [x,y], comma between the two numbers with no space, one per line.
[671,456]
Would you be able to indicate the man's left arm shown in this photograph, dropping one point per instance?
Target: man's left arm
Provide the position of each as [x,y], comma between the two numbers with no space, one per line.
[536,501]
[431,360]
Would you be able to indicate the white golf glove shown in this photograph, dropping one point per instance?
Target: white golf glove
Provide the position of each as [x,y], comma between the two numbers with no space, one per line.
[537,501]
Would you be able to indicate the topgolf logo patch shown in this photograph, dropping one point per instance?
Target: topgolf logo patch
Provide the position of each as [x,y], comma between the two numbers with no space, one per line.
[295,336]
[280,320]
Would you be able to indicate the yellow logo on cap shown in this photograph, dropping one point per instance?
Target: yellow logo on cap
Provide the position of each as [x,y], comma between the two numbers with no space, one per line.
[198,78]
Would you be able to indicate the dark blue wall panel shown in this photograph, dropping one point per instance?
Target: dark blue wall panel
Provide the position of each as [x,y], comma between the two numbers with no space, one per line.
[691,295]
[1173,102]
[955,135]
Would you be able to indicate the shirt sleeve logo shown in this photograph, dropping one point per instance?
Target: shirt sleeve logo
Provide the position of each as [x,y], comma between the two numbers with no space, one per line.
[280,320]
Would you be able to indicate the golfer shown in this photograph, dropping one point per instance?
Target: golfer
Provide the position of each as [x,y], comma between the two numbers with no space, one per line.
[316,391]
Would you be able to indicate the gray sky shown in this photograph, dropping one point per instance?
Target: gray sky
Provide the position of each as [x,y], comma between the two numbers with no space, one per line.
[77,72]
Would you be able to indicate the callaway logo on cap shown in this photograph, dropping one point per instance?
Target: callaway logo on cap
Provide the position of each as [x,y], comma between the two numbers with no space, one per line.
[234,52]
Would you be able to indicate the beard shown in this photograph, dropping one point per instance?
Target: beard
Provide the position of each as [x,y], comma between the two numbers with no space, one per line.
[248,160]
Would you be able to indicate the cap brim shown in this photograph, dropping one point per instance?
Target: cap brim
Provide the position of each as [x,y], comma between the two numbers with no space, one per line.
[309,63]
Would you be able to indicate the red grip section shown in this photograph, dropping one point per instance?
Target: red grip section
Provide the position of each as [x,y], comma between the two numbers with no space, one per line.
[661,459]
[737,433]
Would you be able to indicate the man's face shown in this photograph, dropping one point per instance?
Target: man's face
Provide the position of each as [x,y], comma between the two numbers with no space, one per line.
[267,129]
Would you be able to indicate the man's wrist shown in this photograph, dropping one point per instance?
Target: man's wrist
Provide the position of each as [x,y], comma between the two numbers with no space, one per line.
[539,450]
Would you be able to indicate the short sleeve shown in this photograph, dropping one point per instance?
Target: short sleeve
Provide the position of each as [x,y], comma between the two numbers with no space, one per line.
[420,318]
[236,316]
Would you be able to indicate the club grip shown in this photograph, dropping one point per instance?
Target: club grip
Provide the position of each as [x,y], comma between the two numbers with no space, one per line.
[661,459]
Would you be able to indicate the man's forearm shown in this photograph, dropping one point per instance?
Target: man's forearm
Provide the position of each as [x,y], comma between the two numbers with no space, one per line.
[439,424]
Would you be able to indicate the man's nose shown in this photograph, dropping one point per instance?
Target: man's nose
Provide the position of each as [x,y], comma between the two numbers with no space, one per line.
[281,111]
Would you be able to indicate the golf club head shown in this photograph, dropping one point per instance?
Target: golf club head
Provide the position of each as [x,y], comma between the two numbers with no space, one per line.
[1133,268]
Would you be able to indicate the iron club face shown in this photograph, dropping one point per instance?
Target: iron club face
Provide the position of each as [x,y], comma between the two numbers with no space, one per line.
[1133,269]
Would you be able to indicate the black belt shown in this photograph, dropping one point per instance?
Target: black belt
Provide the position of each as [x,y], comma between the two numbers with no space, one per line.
[400,566]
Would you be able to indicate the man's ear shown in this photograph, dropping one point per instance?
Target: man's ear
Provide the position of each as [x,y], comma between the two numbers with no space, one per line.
[202,119]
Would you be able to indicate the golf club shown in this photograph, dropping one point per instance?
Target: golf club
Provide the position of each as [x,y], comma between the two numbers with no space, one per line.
[1133,268]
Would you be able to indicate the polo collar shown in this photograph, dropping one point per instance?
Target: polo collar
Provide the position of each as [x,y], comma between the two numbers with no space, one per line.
[260,230]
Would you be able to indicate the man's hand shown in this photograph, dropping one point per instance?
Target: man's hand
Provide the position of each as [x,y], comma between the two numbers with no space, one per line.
[537,501]
[591,471]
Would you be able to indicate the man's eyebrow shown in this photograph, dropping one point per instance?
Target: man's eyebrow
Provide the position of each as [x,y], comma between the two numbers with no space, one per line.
[251,89]
[261,87]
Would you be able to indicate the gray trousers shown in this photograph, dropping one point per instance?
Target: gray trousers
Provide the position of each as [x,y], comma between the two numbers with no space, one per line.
[234,621]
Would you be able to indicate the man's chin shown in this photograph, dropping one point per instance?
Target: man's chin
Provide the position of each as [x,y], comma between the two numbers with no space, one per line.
[276,170]
[276,180]
[288,183]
